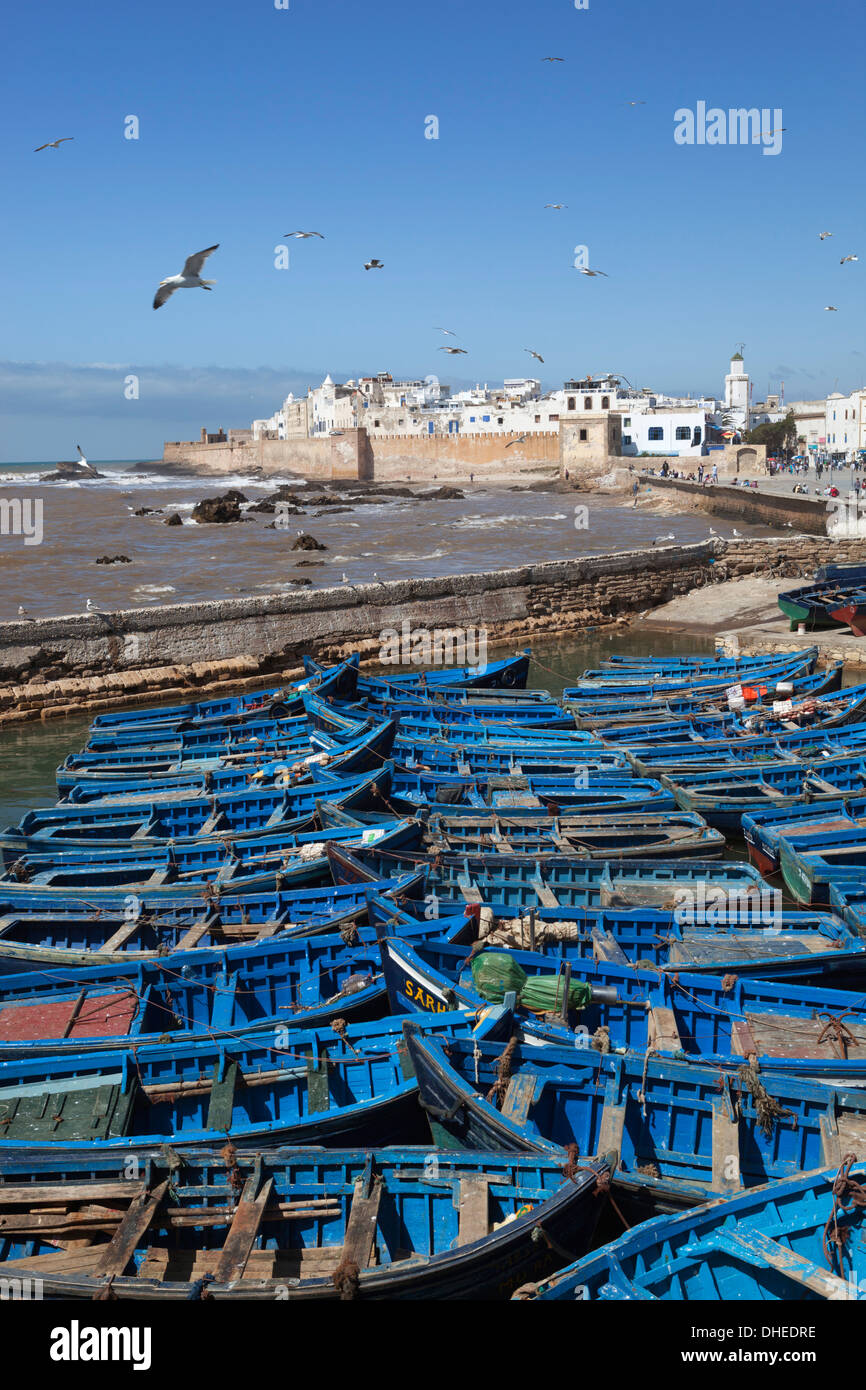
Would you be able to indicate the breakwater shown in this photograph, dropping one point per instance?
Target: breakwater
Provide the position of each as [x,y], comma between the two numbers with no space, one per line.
[750,505]
[53,667]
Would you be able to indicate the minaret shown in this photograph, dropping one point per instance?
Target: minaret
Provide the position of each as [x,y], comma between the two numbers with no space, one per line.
[737,392]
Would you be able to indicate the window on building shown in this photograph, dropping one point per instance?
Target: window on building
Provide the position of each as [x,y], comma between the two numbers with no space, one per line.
[656,432]
[499,419]
[583,434]
[696,437]
[571,402]
[626,439]
[552,417]
[627,422]
[486,418]
[538,419]
[375,424]
[605,402]
[683,432]
[587,402]
[472,419]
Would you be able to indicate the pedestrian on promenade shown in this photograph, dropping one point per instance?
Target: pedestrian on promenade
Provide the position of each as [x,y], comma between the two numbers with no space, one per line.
[715,474]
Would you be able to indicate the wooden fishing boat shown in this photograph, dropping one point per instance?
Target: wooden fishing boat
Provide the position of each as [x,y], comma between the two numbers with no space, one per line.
[80,937]
[699,936]
[313,1086]
[590,792]
[281,701]
[847,896]
[275,861]
[509,675]
[152,820]
[516,881]
[763,829]
[681,1133]
[804,745]
[785,1026]
[297,1224]
[809,864]
[670,665]
[725,798]
[282,984]
[472,832]
[812,604]
[769,1244]
[787,669]
[851,613]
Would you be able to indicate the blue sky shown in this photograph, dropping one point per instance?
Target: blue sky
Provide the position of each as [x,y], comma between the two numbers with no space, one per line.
[263,120]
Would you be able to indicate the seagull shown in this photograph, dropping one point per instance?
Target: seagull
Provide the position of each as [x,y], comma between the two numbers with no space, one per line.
[188,279]
[534,354]
[373,265]
[344,577]
[847,258]
[22,611]
[53,144]
[444,330]
[715,534]
[521,440]
[81,459]
[669,537]
[830,308]
[452,350]
[735,532]
[90,607]
[305,234]
[553,60]
[584,270]
[557,206]
[822,235]
[635,103]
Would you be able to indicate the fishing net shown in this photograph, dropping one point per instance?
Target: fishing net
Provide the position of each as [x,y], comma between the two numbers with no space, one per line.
[495,974]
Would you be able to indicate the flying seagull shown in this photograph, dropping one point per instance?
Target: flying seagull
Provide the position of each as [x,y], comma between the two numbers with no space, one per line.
[557,206]
[830,308]
[304,234]
[374,264]
[822,235]
[553,60]
[453,351]
[584,270]
[188,279]
[847,258]
[635,103]
[534,354]
[444,330]
[54,144]
[81,459]
[521,440]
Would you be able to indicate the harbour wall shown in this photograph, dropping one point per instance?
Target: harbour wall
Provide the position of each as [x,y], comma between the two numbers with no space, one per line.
[750,505]
[50,667]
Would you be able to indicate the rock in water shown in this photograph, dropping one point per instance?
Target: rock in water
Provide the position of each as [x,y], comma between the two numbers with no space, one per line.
[114,560]
[173,520]
[308,542]
[223,509]
[67,470]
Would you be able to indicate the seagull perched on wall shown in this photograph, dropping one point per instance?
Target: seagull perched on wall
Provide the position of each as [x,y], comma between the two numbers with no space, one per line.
[824,235]
[847,258]
[453,351]
[585,270]
[305,234]
[374,264]
[534,354]
[22,611]
[90,606]
[188,279]
[54,144]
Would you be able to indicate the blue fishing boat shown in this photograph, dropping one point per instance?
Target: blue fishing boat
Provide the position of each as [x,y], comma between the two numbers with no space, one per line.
[509,674]
[788,669]
[681,1134]
[277,861]
[303,1224]
[810,863]
[80,936]
[724,796]
[798,1239]
[670,665]
[813,947]
[786,1027]
[763,829]
[280,702]
[524,881]
[310,1085]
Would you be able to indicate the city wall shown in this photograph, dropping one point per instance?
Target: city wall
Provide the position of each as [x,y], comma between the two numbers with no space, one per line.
[51,667]
[749,504]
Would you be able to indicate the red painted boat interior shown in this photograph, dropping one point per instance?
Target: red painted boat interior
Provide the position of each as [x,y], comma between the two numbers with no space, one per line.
[108,1015]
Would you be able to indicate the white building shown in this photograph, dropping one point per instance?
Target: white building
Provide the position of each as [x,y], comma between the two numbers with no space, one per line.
[736,405]
[845,425]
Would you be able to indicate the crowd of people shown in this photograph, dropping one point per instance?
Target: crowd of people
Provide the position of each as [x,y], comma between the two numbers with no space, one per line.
[799,468]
